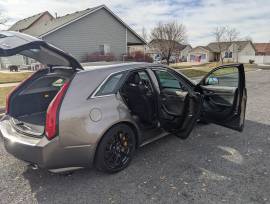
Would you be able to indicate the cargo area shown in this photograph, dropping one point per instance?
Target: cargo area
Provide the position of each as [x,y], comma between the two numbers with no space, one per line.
[28,104]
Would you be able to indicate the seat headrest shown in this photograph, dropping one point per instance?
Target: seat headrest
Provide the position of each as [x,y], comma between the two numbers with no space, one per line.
[135,79]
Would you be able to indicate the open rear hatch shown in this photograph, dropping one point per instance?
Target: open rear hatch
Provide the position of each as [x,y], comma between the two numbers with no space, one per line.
[28,103]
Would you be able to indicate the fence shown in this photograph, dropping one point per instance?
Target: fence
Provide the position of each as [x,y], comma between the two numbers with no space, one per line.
[257,59]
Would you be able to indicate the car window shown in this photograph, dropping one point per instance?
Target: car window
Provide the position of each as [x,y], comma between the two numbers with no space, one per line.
[110,86]
[167,80]
[227,76]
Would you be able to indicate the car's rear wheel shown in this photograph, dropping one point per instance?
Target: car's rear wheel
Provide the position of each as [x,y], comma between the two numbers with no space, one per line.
[116,149]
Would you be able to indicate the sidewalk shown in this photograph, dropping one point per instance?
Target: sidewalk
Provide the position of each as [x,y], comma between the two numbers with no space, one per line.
[9,84]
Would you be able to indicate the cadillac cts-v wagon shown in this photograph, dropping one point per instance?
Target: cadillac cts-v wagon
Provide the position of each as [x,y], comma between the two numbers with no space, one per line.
[66,116]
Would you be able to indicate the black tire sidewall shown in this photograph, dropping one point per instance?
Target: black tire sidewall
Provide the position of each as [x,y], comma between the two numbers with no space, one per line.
[99,159]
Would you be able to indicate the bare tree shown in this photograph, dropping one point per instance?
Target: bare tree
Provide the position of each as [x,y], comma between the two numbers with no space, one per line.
[166,36]
[144,34]
[224,36]
[231,34]
[3,19]
[219,34]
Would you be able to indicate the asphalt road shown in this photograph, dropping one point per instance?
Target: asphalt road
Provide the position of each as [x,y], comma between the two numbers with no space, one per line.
[215,165]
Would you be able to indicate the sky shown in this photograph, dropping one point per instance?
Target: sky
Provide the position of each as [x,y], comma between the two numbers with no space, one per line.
[250,17]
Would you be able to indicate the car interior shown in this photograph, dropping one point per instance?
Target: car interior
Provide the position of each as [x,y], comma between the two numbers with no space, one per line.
[138,93]
[169,108]
[29,106]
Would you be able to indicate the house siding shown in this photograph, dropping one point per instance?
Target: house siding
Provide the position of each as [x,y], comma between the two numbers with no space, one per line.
[85,35]
[44,18]
[184,53]
[197,52]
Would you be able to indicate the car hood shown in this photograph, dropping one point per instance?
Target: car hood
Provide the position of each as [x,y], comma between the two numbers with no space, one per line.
[12,43]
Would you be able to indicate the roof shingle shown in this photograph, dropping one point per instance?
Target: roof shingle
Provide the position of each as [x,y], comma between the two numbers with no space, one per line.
[48,26]
[262,48]
[26,23]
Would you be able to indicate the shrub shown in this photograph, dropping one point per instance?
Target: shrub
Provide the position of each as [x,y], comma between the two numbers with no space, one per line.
[97,56]
[251,61]
[138,56]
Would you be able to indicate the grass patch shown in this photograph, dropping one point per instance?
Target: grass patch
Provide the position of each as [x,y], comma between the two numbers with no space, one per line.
[193,72]
[4,91]
[13,77]
[199,71]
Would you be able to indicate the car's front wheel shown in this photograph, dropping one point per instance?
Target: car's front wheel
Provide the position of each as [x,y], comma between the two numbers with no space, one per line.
[116,149]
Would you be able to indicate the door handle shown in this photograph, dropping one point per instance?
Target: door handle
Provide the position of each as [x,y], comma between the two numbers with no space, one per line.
[209,93]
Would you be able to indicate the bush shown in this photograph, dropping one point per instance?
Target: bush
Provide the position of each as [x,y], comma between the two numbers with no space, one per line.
[97,56]
[138,56]
[251,61]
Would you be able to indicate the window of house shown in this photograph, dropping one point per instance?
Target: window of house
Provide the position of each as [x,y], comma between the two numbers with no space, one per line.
[228,55]
[104,49]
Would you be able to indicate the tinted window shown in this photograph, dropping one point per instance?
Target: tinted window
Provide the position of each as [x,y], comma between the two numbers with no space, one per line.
[110,86]
[167,80]
[228,76]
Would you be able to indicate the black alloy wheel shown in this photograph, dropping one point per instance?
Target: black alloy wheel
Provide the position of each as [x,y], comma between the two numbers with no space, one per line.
[116,149]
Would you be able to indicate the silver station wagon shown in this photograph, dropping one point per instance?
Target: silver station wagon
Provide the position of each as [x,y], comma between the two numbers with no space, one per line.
[65,116]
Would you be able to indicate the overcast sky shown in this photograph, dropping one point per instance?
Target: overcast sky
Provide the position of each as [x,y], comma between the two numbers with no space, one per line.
[250,17]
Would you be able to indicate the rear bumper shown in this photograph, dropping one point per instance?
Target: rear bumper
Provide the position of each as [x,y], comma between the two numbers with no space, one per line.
[49,154]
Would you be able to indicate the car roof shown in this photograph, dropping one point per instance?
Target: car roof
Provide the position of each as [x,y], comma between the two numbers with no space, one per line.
[106,70]
[112,68]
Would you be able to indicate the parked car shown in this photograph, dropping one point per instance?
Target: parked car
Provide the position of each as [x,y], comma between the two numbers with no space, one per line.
[13,68]
[66,116]
[25,67]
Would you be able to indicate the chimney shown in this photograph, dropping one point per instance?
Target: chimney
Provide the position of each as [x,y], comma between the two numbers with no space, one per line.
[55,15]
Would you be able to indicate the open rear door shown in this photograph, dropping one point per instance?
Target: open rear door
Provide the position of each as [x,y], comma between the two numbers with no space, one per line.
[12,43]
[225,96]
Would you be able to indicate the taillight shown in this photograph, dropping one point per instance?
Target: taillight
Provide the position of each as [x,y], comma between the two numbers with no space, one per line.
[52,113]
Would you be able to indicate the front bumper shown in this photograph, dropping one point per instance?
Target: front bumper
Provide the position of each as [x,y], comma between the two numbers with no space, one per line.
[49,154]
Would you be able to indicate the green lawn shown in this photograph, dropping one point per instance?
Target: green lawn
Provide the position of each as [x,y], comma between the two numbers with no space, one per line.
[13,77]
[197,71]
[3,93]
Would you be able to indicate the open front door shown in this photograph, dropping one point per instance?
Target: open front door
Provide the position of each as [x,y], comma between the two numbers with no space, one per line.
[225,96]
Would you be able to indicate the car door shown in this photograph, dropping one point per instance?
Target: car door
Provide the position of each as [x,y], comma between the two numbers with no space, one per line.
[225,96]
[178,105]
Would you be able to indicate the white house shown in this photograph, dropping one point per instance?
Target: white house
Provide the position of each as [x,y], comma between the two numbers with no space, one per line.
[228,51]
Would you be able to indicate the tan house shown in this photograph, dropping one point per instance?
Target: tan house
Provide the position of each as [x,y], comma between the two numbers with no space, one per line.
[228,51]
[179,54]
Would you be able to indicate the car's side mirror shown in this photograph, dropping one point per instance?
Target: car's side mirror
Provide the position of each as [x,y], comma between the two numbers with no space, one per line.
[211,80]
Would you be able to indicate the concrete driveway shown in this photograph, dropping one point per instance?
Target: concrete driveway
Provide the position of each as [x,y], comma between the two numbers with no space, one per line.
[214,165]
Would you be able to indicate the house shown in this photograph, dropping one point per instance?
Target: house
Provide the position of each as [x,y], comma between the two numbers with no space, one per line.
[262,53]
[23,26]
[179,54]
[262,49]
[229,51]
[83,33]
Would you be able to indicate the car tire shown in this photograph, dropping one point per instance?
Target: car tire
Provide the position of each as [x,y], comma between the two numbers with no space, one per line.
[116,149]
